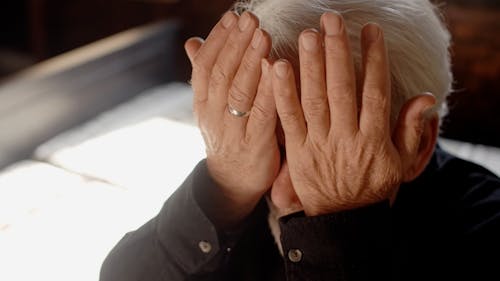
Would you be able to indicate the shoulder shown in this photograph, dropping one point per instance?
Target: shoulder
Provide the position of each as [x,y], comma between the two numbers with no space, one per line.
[462,180]
[456,191]
[136,257]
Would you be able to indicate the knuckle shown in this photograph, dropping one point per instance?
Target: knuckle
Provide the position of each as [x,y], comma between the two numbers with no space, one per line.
[342,92]
[313,74]
[374,57]
[289,117]
[200,62]
[375,97]
[248,65]
[239,95]
[199,72]
[341,83]
[232,45]
[335,47]
[199,58]
[260,114]
[315,104]
[310,68]
[372,135]
[199,103]
[218,75]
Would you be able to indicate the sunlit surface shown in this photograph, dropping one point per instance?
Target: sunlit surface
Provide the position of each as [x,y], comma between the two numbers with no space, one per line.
[486,156]
[61,214]
[58,226]
[148,156]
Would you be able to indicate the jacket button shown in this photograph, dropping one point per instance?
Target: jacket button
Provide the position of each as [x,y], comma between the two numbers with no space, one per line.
[295,255]
[205,247]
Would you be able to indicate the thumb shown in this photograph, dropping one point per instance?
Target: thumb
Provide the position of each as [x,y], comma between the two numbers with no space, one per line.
[192,46]
[283,195]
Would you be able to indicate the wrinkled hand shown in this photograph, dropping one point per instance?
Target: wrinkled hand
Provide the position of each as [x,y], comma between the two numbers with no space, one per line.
[242,152]
[340,157]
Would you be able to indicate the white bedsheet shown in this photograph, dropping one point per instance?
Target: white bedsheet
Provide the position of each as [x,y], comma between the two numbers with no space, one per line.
[61,213]
[56,225]
[148,144]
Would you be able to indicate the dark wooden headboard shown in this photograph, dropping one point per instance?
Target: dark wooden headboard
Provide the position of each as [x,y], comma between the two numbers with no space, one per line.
[70,89]
[65,91]
[60,93]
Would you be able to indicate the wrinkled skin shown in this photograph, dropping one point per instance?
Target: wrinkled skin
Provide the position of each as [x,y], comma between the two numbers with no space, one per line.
[242,152]
[338,157]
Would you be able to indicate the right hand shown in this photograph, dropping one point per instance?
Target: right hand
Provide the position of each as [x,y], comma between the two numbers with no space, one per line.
[242,152]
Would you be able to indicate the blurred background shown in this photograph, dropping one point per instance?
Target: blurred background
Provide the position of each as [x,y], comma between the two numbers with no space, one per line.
[96,128]
[35,30]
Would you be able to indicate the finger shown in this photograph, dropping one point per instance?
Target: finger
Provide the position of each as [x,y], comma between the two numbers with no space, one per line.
[340,76]
[207,54]
[229,60]
[288,104]
[244,86]
[262,120]
[313,86]
[192,46]
[283,194]
[376,98]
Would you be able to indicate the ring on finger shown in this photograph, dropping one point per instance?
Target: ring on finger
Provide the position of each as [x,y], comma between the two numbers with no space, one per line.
[236,112]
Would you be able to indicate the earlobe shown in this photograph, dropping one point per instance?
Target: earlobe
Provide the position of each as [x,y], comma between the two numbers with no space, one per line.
[425,150]
[415,135]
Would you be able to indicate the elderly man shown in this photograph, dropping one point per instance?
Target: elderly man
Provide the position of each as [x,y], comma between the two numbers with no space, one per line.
[321,155]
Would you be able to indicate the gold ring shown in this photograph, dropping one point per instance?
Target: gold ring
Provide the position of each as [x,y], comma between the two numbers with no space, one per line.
[235,112]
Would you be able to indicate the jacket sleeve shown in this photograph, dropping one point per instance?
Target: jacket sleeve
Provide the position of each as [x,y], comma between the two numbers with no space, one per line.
[455,235]
[350,245]
[181,243]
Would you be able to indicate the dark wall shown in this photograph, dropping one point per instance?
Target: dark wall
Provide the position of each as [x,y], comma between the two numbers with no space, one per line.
[14,25]
[68,24]
[41,29]
[201,15]
[44,28]
[475,106]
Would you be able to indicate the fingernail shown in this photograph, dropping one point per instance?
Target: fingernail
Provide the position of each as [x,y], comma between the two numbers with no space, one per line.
[371,32]
[257,37]
[227,20]
[332,23]
[281,69]
[310,41]
[244,21]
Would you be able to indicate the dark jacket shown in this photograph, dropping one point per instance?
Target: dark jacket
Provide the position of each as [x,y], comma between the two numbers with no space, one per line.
[445,225]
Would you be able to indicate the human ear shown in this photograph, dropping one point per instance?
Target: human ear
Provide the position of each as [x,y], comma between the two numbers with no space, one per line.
[416,134]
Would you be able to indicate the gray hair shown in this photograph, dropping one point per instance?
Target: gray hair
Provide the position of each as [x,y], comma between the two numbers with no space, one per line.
[416,38]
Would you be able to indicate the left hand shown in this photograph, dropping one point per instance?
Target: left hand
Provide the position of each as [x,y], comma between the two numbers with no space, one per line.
[340,157]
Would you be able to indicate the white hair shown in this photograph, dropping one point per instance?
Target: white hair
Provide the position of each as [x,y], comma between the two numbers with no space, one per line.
[416,38]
